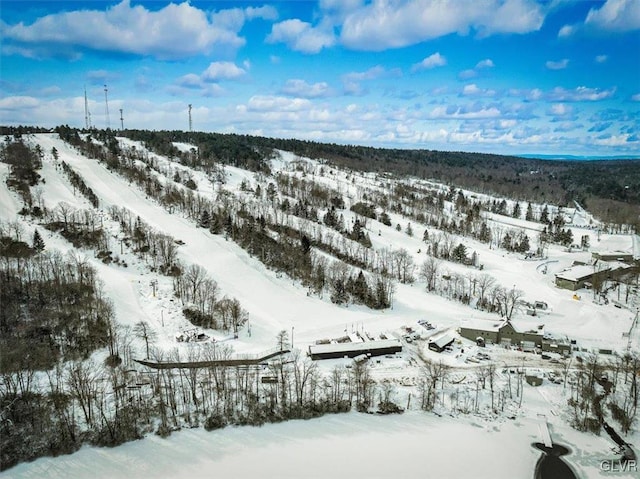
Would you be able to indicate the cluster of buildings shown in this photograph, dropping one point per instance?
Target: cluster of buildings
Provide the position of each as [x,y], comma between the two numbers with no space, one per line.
[606,265]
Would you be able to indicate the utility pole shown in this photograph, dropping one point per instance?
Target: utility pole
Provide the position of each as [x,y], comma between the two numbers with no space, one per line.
[106,108]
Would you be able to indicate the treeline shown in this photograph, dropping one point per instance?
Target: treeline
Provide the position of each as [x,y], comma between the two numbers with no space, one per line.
[610,189]
[209,148]
[85,403]
[78,183]
[560,182]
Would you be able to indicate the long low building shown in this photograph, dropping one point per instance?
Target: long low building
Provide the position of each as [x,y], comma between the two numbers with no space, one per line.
[351,350]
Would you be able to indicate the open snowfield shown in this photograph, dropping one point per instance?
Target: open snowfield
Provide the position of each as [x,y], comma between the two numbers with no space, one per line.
[344,446]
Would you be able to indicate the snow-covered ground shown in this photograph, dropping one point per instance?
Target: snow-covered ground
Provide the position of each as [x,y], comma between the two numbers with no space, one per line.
[346,446]
[412,445]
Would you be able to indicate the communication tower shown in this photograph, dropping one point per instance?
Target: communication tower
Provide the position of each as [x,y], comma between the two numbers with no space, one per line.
[190,123]
[121,121]
[106,108]
[87,115]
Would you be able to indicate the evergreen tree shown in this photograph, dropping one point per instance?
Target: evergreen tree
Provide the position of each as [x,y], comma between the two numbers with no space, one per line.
[305,243]
[38,242]
[459,253]
[516,210]
[529,214]
[523,246]
[360,288]
[506,241]
[205,219]
[544,216]
[409,229]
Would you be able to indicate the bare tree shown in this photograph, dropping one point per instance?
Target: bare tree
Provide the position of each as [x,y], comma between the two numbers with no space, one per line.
[404,266]
[484,283]
[144,332]
[429,271]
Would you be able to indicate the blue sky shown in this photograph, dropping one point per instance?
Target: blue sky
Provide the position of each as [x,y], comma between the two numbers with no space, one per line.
[556,77]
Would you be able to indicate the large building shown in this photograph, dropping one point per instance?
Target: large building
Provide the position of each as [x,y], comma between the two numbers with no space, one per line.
[483,331]
[351,350]
[584,275]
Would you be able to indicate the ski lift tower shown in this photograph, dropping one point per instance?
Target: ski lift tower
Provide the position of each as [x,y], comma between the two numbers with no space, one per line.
[190,123]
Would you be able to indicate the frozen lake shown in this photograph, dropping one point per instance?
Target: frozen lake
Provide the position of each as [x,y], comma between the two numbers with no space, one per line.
[413,445]
[347,446]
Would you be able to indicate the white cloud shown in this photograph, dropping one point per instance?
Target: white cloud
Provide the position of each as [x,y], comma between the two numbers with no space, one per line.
[302,36]
[467,113]
[566,31]
[635,97]
[222,71]
[612,140]
[190,80]
[486,63]
[580,93]
[432,61]
[473,90]
[601,58]
[18,102]
[351,81]
[172,32]
[301,88]
[266,12]
[384,24]
[559,65]
[370,74]
[615,15]
[467,74]
[277,103]
[560,109]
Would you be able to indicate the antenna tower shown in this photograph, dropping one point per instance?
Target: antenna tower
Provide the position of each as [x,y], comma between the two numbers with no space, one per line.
[87,115]
[190,123]
[121,120]
[106,108]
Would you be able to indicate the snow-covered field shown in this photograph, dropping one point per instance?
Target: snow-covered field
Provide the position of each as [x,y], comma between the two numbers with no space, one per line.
[353,445]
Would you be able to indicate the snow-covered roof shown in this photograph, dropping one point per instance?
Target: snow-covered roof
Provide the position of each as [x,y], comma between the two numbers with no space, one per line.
[614,243]
[491,325]
[527,327]
[576,273]
[442,340]
[346,347]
